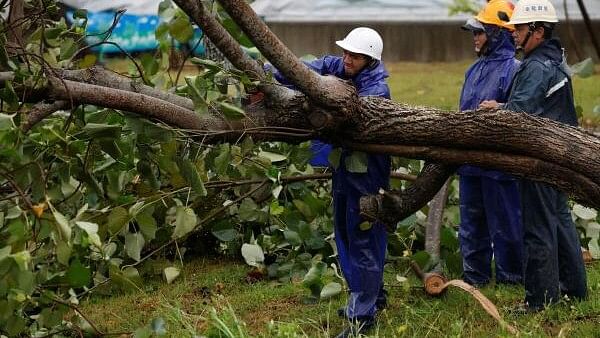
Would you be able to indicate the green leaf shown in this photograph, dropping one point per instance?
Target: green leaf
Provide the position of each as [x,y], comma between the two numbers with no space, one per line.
[4,252]
[207,63]
[247,210]
[64,228]
[366,225]
[63,253]
[222,161]
[191,175]
[22,259]
[147,224]
[253,254]
[274,157]
[357,162]
[224,231]
[90,228]
[422,258]
[313,278]
[134,243]
[181,29]
[170,273]
[117,219]
[292,237]
[87,61]
[129,278]
[231,111]
[276,209]
[112,148]
[584,68]
[304,209]
[330,290]
[161,31]
[78,275]
[101,130]
[9,95]
[276,191]
[334,157]
[584,213]
[68,47]
[80,13]
[448,239]
[6,122]
[185,221]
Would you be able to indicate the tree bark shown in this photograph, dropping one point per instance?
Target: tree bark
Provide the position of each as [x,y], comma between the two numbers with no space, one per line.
[15,23]
[434,222]
[393,206]
[325,90]
[517,143]
[521,144]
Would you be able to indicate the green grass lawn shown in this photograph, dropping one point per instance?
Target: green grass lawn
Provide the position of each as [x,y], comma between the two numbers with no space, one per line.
[439,85]
[210,291]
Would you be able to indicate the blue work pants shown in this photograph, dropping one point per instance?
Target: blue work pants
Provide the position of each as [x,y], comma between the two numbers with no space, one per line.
[553,260]
[490,214]
[361,254]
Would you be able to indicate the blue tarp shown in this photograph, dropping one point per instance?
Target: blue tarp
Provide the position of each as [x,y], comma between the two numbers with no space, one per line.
[133,33]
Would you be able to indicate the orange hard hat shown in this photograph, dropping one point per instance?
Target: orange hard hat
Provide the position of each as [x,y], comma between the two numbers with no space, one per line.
[497,12]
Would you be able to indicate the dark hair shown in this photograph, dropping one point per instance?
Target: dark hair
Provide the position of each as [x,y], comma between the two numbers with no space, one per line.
[548,28]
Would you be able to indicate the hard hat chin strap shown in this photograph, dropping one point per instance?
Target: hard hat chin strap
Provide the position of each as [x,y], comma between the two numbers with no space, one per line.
[532,28]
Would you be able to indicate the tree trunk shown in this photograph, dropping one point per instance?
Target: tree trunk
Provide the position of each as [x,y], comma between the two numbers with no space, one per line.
[15,23]
[588,25]
[434,222]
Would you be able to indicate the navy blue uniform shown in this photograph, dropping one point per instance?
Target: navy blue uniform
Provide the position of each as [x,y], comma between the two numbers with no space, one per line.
[553,260]
[490,210]
[361,252]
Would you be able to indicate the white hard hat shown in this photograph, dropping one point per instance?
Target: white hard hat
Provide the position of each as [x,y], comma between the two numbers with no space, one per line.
[527,11]
[363,40]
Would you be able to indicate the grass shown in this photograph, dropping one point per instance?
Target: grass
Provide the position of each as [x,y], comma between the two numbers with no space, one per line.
[439,85]
[214,293]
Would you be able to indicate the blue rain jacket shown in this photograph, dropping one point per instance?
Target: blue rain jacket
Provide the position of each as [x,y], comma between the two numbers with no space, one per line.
[489,78]
[490,210]
[553,261]
[361,252]
[542,85]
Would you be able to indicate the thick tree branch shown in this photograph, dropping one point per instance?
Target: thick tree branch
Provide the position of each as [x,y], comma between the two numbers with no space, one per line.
[327,91]
[394,206]
[221,38]
[435,217]
[385,122]
[99,76]
[580,187]
[149,106]
[525,145]
[6,76]
[15,26]
[42,110]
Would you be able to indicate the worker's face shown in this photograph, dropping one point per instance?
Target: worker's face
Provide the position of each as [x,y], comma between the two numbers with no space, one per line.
[354,63]
[479,40]
[520,35]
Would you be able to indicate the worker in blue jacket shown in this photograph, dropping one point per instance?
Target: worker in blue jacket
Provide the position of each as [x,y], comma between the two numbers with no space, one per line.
[490,211]
[542,87]
[361,253]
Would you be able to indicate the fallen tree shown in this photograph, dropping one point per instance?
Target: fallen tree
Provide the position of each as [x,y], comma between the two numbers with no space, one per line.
[92,180]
